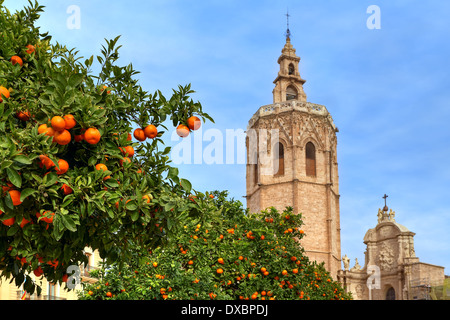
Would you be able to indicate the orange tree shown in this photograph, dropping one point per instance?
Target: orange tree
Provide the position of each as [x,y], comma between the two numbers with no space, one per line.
[71,174]
[227,254]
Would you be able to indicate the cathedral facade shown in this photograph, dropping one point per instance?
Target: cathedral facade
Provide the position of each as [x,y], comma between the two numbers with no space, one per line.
[292,162]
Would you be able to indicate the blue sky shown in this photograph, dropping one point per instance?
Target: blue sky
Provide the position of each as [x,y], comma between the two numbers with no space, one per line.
[386,89]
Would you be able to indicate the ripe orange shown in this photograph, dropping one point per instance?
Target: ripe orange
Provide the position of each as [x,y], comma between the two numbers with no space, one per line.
[24,222]
[48,216]
[92,136]
[9,222]
[150,131]
[15,196]
[284,272]
[148,197]
[190,262]
[23,115]
[109,294]
[38,272]
[4,93]
[194,123]
[127,151]
[70,121]
[263,269]
[16,59]
[182,131]
[155,264]
[63,167]
[219,271]
[295,271]
[78,138]
[220,260]
[58,123]
[30,48]
[66,189]
[139,134]
[45,161]
[42,128]
[126,159]
[101,166]
[62,137]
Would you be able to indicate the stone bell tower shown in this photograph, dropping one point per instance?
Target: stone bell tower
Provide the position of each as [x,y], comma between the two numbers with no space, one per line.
[291,161]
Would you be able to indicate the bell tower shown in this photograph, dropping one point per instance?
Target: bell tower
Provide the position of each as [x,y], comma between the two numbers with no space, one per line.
[291,161]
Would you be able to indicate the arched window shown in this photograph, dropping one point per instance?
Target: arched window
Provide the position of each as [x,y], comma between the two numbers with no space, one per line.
[280,160]
[310,159]
[291,69]
[291,93]
[390,294]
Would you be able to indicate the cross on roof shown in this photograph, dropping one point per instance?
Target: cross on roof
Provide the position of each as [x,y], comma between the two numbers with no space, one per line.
[288,32]
[385,205]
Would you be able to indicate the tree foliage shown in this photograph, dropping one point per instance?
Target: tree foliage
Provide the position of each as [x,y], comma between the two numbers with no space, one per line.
[227,255]
[49,216]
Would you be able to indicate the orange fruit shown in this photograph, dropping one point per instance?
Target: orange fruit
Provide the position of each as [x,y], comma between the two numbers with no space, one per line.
[15,196]
[129,138]
[155,264]
[9,222]
[148,197]
[194,123]
[62,137]
[78,138]
[139,134]
[284,272]
[128,151]
[295,271]
[220,260]
[104,87]
[150,131]
[30,48]
[4,93]
[24,222]
[48,216]
[70,121]
[101,166]
[63,167]
[38,272]
[92,136]
[190,262]
[23,115]
[126,159]
[50,132]
[42,128]
[263,269]
[182,131]
[219,271]
[58,123]
[66,189]
[45,161]
[109,294]
[16,59]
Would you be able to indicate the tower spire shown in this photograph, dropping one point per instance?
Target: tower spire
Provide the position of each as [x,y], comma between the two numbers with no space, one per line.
[288,32]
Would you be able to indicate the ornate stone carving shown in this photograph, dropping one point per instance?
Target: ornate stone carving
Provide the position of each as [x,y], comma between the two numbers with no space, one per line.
[346,262]
[386,258]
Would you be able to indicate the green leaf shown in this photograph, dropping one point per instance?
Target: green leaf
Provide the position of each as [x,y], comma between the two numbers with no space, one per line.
[6,164]
[111,183]
[173,173]
[75,80]
[26,193]
[68,222]
[134,216]
[12,231]
[186,185]
[50,179]
[14,177]
[22,159]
